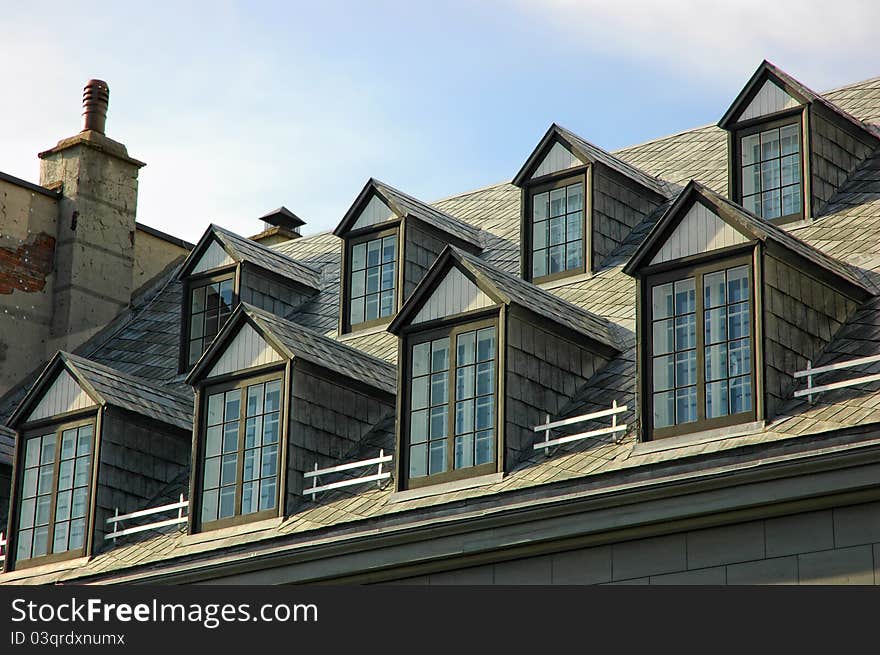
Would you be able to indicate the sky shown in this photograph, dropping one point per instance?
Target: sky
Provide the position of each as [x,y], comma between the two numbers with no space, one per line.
[241,107]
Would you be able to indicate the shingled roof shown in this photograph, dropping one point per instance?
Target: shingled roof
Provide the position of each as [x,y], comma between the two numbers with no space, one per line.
[108,386]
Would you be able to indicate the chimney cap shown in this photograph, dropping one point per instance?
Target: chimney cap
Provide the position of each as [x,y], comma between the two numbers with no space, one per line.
[95,100]
[283,217]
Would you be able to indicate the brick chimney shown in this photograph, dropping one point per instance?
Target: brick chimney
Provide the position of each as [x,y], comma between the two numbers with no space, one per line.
[94,256]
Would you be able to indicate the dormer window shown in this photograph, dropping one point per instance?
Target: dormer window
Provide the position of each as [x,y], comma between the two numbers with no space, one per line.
[771,169]
[558,238]
[373,278]
[212,300]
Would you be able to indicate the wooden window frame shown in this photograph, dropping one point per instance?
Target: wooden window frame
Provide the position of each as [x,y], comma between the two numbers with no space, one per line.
[582,174]
[352,239]
[755,126]
[58,424]
[697,269]
[241,383]
[193,282]
[451,329]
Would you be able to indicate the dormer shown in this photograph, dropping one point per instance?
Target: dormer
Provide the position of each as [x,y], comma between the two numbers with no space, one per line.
[390,240]
[225,269]
[789,148]
[274,399]
[579,203]
[90,440]
[483,357]
[729,308]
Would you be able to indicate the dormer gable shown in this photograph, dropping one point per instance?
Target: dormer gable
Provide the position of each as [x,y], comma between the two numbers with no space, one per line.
[579,203]
[790,148]
[389,241]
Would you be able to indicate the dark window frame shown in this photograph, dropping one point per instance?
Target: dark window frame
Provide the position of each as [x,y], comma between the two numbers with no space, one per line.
[194,282]
[241,383]
[352,239]
[56,425]
[697,269]
[755,126]
[533,187]
[448,328]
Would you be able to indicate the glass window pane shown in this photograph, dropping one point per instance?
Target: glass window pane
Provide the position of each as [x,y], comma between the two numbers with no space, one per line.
[30,483]
[254,400]
[575,194]
[751,179]
[486,344]
[738,284]
[791,200]
[65,474]
[464,417]
[770,207]
[212,440]
[741,394]
[226,295]
[229,469]
[466,344]
[464,451]
[25,538]
[41,541]
[485,447]
[373,252]
[26,516]
[211,479]
[273,396]
[79,504]
[485,412]
[32,453]
[437,457]
[387,281]
[48,452]
[790,139]
[373,279]
[418,460]
[464,382]
[357,311]
[62,506]
[253,430]
[269,462]
[196,328]
[557,259]
[418,427]
[233,405]
[661,306]
[716,362]
[539,263]
[215,409]
[440,354]
[81,473]
[419,393]
[557,230]
[753,204]
[686,368]
[438,422]
[358,283]
[198,300]
[68,444]
[540,206]
[770,174]
[574,255]
[686,405]
[713,289]
[45,480]
[663,337]
[685,332]
[389,248]
[540,235]
[791,169]
[358,256]
[371,311]
[663,374]
[664,409]
[485,378]
[716,325]
[212,297]
[44,504]
[574,226]
[227,502]
[685,296]
[271,428]
[230,437]
[716,399]
[250,497]
[77,533]
[59,541]
[439,388]
[770,144]
[209,506]
[751,149]
[421,354]
[267,494]
[740,361]
[738,321]
[557,202]
[386,303]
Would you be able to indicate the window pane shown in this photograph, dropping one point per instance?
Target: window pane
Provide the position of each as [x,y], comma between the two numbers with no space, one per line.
[233,405]
[751,149]
[41,541]
[212,297]
[751,179]
[464,382]
[485,378]
[77,533]
[575,194]
[738,284]
[419,395]
[358,283]
[464,451]
[713,289]
[387,281]
[230,437]
[770,207]
[45,480]
[741,395]
[226,295]
[271,428]
[539,263]
[685,332]
[48,453]
[661,306]
[664,409]
[227,502]
[791,169]
[79,504]
[357,311]
[440,354]
[790,139]
[557,259]
[685,368]
[540,235]
[770,174]
[269,462]
[250,497]
[30,483]
[254,400]
[716,399]
[485,412]
[81,473]
[716,325]
[418,460]
[212,440]
[373,252]
[557,202]
[438,422]
[386,303]
[716,362]
[211,478]
[574,255]
[485,447]
[753,204]
[267,494]
[437,457]
[557,231]
[791,200]
[685,296]
[371,312]
[573,226]
[466,344]
[540,207]
[464,417]
[32,454]
[59,541]
[663,337]
[198,300]
[228,469]
[65,474]
[209,506]
[686,405]
[439,388]
[418,429]
[740,358]
[26,516]
[44,504]
[359,257]
[273,396]
[663,377]
[373,279]
[68,444]
[485,344]
[389,247]
[738,321]
[253,430]
[421,354]
[25,538]
[770,144]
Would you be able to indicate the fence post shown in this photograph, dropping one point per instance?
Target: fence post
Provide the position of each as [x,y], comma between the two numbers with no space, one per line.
[381,455]
[809,380]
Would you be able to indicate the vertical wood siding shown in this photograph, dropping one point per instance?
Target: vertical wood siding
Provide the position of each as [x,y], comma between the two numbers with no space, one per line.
[64,395]
[618,206]
[374,213]
[559,158]
[801,316]
[246,350]
[835,154]
[213,257]
[701,230]
[769,100]
[454,295]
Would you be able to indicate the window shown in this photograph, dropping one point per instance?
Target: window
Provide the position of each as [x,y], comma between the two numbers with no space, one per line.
[557,238]
[701,351]
[451,417]
[210,304]
[770,170]
[57,473]
[241,449]
[372,279]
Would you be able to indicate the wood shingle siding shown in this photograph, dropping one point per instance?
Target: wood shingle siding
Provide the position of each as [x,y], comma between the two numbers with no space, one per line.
[271,293]
[420,250]
[801,316]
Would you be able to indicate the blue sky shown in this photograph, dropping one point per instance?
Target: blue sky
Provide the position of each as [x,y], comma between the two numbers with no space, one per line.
[239,107]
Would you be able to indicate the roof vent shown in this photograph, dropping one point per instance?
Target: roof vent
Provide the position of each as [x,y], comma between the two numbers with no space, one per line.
[96,98]
[279,225]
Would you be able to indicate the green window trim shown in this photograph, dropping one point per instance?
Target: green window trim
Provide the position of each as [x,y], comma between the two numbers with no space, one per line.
[556,239]
[240,451]
[450,426]
[54,492]
[700,347]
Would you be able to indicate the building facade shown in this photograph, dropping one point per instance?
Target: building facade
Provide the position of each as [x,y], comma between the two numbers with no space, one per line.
[649,366]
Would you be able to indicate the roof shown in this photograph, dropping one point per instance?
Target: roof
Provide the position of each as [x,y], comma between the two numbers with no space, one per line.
[405,206]
[7,445]
[745,221]
[796,88]
[282,217]
[30,186]
[848,231]
[108,386]
[299,342]
[588,152]
[186,245]
[509,289]
[242,249]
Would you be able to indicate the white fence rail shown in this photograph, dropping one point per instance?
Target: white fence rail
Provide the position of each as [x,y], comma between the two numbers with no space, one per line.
[809,372]
[3,543]
[114,521]
[615,427]
[377,477]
